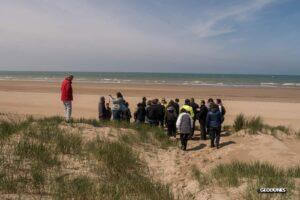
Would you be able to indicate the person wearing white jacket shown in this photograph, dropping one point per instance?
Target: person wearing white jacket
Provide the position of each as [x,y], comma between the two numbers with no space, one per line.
[184,126]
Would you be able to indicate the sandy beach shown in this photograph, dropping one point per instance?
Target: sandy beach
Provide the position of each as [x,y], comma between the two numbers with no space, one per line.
[277,106]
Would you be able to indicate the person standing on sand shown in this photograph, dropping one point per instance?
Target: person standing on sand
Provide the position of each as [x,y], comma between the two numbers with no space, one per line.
[162,112]
[195,107]
[213,125]
[140,114]
[108,109]
[184,125]
[102,111]
[170,120]
[153,113]
[176,106]
[144,102]
[118,106]
[189,109]
[221,108]
[67,96]
[201,116]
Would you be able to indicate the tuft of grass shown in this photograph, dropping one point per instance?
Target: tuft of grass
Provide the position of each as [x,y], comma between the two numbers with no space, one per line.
[255,125]
[81,188]
[124,173]
[36,152]
[257,175]
[69,143]
[203,179]
[239,122]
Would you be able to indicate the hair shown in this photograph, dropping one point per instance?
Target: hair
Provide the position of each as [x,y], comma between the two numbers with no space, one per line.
[144,99]
[192,100]
[119,95]
[102,99]
[187,102]
[171,102]
[210,100]
[213,106]
[149,102]
[155,101]
[139,104]
[177,100]
[219,101]
[202,102]
[183,110]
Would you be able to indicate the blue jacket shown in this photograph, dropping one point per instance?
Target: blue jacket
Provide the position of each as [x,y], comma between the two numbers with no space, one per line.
[213,118]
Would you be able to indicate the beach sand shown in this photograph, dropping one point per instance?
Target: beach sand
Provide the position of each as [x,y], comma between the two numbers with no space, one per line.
[277,106]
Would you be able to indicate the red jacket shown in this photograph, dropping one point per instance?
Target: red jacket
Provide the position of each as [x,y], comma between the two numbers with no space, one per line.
[66,90]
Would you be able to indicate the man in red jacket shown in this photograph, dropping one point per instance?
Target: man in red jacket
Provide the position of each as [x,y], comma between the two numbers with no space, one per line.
[67,96]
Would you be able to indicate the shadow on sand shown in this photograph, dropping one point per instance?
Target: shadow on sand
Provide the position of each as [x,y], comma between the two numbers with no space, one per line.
[223,144]
[201,146]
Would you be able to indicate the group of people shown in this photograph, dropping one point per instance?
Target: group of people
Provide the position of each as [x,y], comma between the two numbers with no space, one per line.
[154,112]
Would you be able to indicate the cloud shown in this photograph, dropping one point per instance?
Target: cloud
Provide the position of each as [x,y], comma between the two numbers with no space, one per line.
[213,24]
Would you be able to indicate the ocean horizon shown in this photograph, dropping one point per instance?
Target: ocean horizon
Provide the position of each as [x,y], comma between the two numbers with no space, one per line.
[214,80]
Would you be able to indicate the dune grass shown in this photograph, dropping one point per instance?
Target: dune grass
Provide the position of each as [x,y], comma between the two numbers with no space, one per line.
[203,179]
[46,158]
[257,175]
[255,125]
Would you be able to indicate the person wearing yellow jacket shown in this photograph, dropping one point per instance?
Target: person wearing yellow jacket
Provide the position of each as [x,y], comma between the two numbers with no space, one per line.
[188,108]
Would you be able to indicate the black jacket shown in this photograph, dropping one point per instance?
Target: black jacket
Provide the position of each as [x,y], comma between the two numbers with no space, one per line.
[201,115]
[140,114]
[195,107]
[102,111]
[171,116]
[153,112]
[176,106]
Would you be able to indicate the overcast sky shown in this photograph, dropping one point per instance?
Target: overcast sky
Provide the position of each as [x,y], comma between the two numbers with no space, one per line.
[201,36]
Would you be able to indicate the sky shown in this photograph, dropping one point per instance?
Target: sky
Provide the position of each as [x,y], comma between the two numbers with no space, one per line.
[190,36]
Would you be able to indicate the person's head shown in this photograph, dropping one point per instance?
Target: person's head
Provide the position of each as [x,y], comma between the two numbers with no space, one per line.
[119,95]
[107,105]
[155,101]
[177,100]
[144,99]
[187,102]
[213,106]
[219,101]
[163,101]
[202,102]
[183,110]
[102,100]
[69,77]
[149,102]
[210,100]
[139,105]
[126,104]
[192,100]
[171,103]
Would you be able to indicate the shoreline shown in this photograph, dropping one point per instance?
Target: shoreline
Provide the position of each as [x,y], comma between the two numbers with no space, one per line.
[259,94]
[164,83]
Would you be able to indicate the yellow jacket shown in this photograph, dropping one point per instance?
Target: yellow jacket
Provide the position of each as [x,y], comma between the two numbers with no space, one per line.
[189,109]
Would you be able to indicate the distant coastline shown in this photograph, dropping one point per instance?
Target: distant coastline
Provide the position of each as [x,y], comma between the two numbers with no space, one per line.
[213,80]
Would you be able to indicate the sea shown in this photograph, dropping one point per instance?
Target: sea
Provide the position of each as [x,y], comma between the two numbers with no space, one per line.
[214,80]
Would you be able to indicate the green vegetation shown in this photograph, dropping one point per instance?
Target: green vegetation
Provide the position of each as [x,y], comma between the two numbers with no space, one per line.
[255,125]
[239,122]
[46,158]
[257,175]
[203,179]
